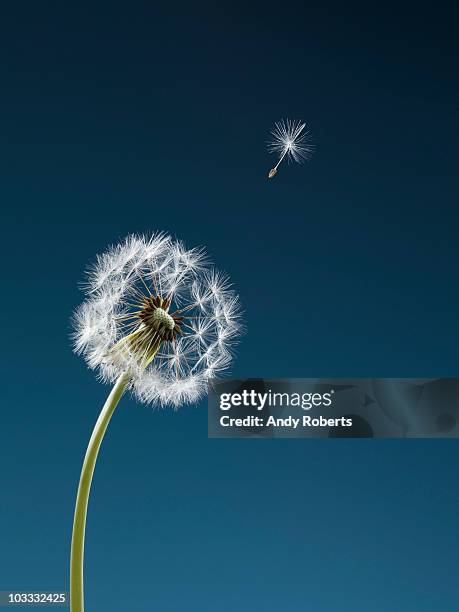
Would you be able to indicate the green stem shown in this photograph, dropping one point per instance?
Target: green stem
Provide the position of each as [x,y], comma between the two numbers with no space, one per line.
[81,506]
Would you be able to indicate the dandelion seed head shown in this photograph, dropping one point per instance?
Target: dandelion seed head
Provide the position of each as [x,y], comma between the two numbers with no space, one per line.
[292,139]
[157,310]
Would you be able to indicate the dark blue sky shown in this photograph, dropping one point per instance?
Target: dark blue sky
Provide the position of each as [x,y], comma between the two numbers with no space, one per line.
[118,118]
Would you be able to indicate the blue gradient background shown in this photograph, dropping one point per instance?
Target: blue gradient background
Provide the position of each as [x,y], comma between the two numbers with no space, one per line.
[120,117]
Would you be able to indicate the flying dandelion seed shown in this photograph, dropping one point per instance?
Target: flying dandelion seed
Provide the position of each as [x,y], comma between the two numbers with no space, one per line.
[158,321]
[290,139]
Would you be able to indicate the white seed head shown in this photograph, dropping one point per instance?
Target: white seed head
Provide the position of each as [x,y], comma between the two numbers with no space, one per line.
[148,292]
[292,139]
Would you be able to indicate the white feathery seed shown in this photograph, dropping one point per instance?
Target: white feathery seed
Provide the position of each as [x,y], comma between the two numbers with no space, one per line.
[138,269]
[292,140]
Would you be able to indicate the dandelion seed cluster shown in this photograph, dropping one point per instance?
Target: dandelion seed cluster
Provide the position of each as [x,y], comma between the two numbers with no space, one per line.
[158,311]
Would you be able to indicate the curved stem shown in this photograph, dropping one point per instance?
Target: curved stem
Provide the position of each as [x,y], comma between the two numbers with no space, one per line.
[283,155]
[81,506]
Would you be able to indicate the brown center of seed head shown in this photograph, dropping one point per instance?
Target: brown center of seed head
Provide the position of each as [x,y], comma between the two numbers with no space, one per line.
[155,315]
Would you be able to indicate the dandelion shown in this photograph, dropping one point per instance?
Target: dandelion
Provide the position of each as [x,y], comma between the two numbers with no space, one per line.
[290,139]
[159,322]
